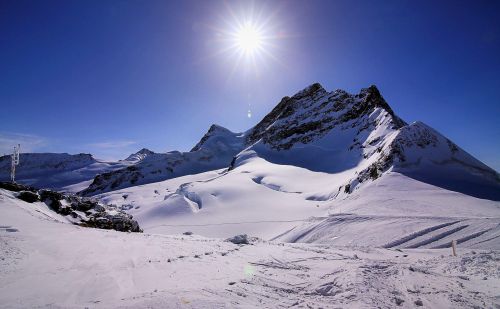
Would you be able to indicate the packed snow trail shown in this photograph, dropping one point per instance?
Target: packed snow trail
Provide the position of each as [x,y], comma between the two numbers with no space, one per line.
[47,263]
[228,223]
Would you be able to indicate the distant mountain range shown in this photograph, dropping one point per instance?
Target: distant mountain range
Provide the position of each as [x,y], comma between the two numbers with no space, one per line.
[357,135]
[328,167]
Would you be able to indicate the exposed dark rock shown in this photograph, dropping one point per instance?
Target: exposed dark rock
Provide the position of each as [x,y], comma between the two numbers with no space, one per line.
[97,215]
[398,301]
[53,200]
[239,239]
[49,194]
[313,112]
[232,164]
[15,187]
[28,196]
[373,172]
[243,239]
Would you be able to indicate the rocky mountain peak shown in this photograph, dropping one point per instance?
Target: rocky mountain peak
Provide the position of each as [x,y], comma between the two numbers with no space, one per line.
[310,91]
[358,135]
[313,112]
[285,108]
[213,130]
[371,98]
[145,151]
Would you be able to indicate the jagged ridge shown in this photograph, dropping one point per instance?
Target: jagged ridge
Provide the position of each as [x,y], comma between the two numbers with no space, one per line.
[315,129]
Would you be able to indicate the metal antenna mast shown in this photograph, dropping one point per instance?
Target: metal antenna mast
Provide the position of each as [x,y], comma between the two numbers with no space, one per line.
[14,161]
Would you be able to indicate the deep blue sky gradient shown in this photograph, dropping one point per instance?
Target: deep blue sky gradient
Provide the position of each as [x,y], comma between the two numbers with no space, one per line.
[111,77]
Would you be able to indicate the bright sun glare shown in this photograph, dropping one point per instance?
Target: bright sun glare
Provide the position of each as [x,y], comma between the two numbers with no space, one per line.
[248,39]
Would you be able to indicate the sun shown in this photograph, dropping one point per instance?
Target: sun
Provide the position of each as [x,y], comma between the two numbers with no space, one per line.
[248,38]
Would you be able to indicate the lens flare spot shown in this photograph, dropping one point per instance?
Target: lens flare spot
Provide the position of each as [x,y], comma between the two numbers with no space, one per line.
[249,270]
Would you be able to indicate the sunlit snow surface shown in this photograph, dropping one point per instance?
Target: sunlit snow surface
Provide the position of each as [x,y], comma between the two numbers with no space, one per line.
[47,263]
[356,209]
[293,204]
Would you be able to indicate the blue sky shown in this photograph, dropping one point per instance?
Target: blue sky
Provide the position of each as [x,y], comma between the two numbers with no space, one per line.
[111,77]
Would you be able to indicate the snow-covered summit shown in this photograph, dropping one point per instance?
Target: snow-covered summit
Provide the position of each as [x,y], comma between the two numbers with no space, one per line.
[139,156]
[215,150]
[360,137]
[218,136]
[357,136]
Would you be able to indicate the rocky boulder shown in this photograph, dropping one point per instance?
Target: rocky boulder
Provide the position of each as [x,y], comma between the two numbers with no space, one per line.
[79,210]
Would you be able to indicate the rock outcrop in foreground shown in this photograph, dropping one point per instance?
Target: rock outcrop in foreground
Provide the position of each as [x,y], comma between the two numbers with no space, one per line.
[80,211]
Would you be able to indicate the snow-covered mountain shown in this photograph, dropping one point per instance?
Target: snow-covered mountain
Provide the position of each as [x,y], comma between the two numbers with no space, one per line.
[313,155]
[52,170]
[357,136]
[138,156]
[361,137]
[215,150]
[340,190]
[62,171]
[321,163]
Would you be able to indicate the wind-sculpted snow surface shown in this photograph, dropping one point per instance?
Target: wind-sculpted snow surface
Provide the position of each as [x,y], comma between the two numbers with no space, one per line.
[44,263]
[291,204]
[359,176]
[360,137]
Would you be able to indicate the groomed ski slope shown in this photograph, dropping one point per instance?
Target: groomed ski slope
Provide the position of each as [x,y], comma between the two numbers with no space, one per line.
[47,263]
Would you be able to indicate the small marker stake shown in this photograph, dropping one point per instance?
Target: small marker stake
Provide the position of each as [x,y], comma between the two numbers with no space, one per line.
[454,247]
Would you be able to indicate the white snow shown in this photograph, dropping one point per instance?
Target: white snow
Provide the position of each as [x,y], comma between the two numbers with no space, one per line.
[45,263]
[293,204]
[60,171]
[355,208]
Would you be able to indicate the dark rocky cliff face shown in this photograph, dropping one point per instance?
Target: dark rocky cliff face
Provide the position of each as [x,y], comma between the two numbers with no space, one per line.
[313,112]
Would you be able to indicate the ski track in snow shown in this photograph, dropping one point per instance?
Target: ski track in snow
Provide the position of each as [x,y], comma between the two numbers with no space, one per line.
[46,263]
[361,207]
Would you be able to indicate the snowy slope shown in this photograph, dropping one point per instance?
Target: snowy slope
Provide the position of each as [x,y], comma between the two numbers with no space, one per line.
[46,263]
[215,150]
[318,155]
[293,204]
[357,209]
[396,211]
[422,153]
[357,137]
[309,158]
[360,137]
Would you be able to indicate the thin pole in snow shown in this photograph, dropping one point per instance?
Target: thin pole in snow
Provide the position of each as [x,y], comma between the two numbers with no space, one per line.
[14,161]
[454,247]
